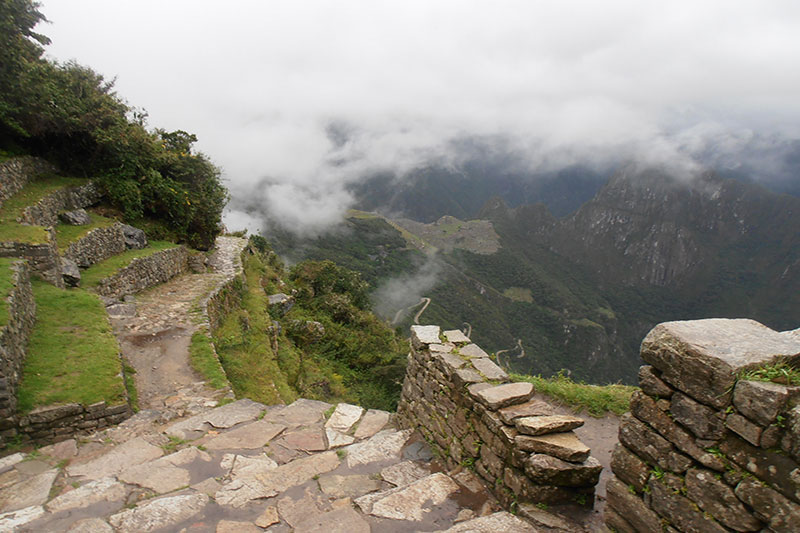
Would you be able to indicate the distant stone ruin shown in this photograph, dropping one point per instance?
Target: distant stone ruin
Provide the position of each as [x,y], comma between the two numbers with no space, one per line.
[706,448]
[463,405]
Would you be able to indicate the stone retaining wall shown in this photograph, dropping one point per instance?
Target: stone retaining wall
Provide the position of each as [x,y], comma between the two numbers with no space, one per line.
[45,211]
[97,245]
[144,272]
[462,404]
[17,172]
[703,448]
[43,259]
[223,299]
[14,339]
[60,422]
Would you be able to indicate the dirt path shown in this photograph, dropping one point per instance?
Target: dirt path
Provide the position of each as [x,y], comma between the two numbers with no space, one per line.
[156,340]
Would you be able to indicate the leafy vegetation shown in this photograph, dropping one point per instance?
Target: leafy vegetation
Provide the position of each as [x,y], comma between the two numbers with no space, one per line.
[327,346]
[204,360]
[70,114]
[72,356]
[596,399]
[92,276]
[780,372]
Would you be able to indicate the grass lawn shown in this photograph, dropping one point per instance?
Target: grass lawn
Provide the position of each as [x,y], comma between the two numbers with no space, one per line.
[73,355]
[5,287]
[596,399]
[92,276]
[204,360]
[66,234]
[10,229]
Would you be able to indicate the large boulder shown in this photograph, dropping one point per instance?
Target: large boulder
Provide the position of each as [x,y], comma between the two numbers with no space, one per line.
[134,237]
[70,272]
[79,217]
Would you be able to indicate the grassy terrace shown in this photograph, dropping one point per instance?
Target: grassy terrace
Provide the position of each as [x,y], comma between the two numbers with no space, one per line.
[596,399]
[66,234]
[92,276]
[5,287]
[10,229]
[73,356]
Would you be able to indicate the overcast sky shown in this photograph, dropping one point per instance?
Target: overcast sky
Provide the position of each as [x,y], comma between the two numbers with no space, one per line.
[294,99]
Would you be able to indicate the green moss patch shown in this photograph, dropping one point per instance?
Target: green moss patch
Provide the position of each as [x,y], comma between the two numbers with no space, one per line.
[73,355]
[204,360]
[66,234]
[12,209]
[6,286]
[92,276]
[598,400]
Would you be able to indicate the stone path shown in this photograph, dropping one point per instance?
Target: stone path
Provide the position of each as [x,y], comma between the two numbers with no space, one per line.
[156,339]
[247,467]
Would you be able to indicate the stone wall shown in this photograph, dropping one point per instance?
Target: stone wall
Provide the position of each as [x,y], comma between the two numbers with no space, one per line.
[462,404]
[17,172]
[97,245]
[144,272]
[45,211]
[60,422]
[704,449]
[43,258]
[14,339]
[226,297]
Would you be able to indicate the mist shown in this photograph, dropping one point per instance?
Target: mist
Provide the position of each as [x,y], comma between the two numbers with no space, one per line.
[298,101]
[400,297]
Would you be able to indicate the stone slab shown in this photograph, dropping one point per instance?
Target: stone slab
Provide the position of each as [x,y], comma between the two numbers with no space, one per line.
[90,525]
[342,520]
[236,526]
[351,486]
[160,513]
[504,395]
[423,335]
[761,401]
[12,520]
[456,336]
[344,417]
[268,517]
[28,493]
[410,502]
[301,412]
[373,421]
[547,470]
[165,474]
[404,473]
[251,436]
[245,465]
[703,357]
[488,368]
[473,351]
[337,439]
[715,497]
[383,446]
[307,440]
[221,418]
[10,460]
[566,446]
[106,489]
[530,408]
[501,522]
[543,425]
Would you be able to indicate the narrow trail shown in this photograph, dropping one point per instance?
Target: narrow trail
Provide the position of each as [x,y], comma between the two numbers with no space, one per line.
[424,307]
[506,366]
[156,340]
[400,312]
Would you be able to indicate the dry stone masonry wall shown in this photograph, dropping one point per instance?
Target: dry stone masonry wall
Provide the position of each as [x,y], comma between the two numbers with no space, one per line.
[17,172]
[704,449]
[45,211]
[97,245]
[43,258]
[58,422]
[464,406]
[13,342]
[145,272]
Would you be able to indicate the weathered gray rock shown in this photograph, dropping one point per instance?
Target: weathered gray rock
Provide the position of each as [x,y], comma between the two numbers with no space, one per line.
[28,493]
[66,449]
[631,507]
[651,384]
[78,217]
[12,520]
[424,335]
[549,521]
[703,357]
[165,474]
[717,498]
[344,417]
[441,348]
[121,310]
[473,351]
[649,445]
[384,445]
[465,376]
[307,440]
[547,470]
[70,272]
[90,525]
[10,460]
[221,418]
[265,484]
[761,401]
[244,465]
[542,425]
[408,503]
[249,437]
[701,420]
[133,452]
[488,368]
[504,395]
[629,468]
[404,473]
[134,237]
[566,446]
[781,514]
[456,336]
[268,517]
[337,439]
[501,522]
[776,469]
[341,520]
[160,513]
[102,490]
[352,486]
[374,420]
[301,412]
[743,427]
[679,510]
[616,523]
[531,408]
